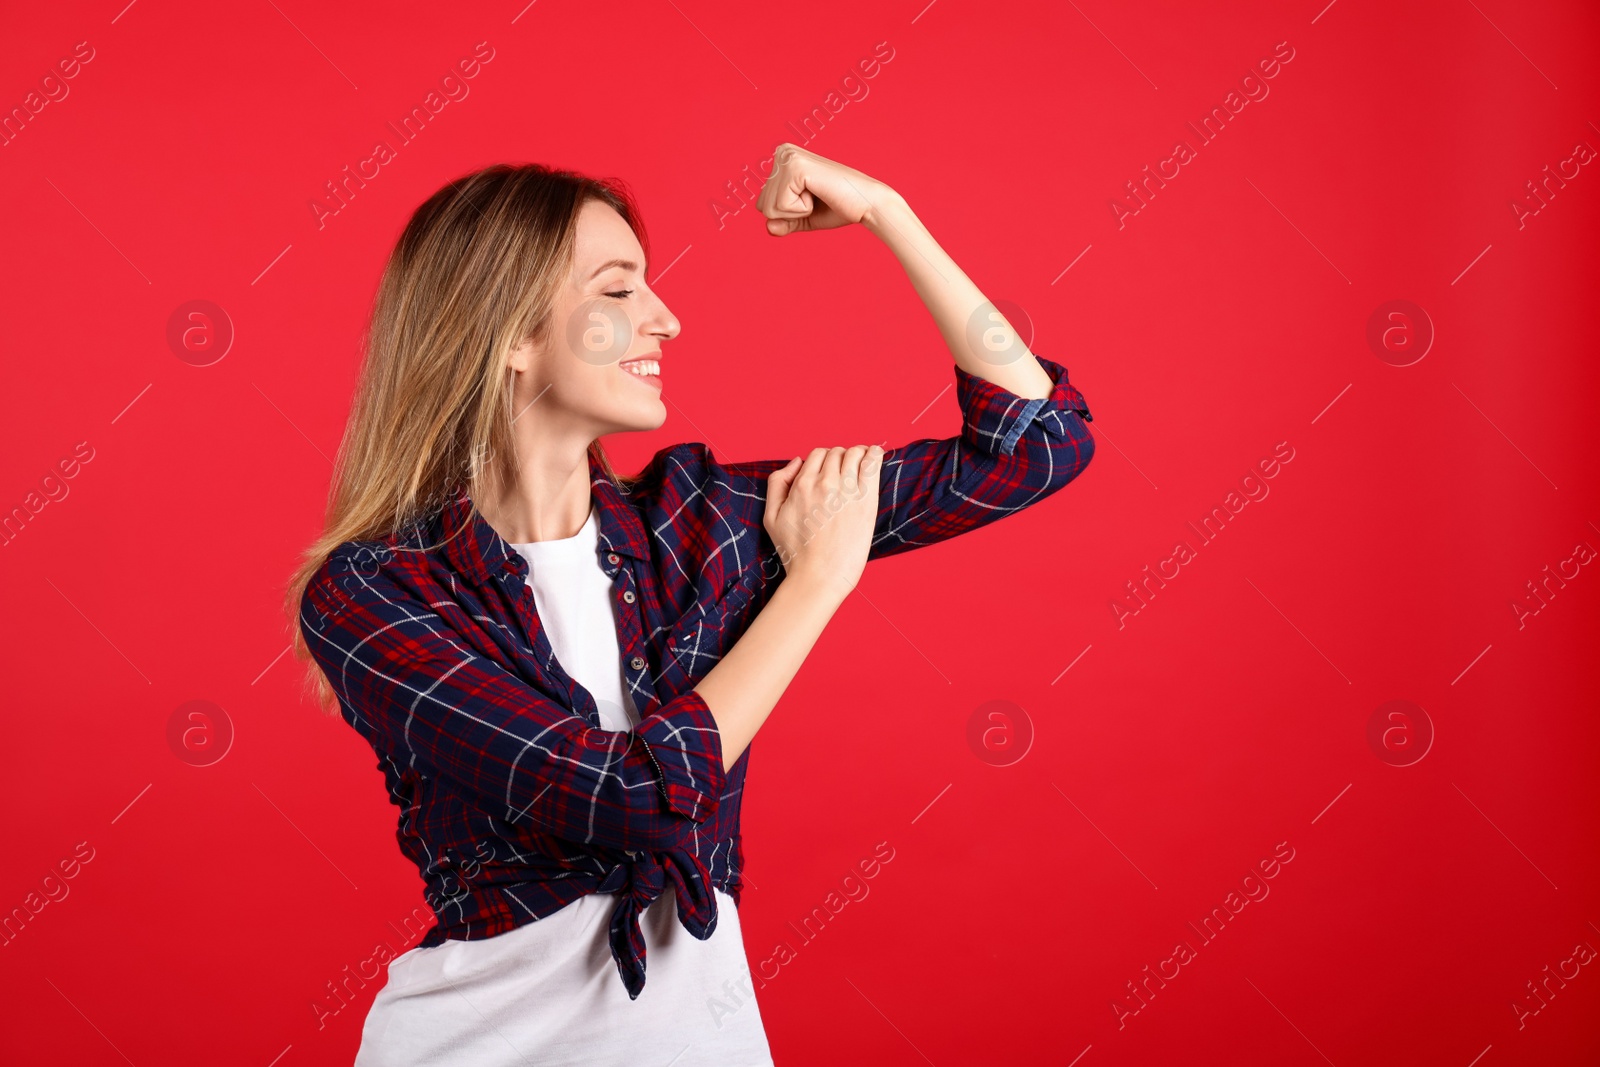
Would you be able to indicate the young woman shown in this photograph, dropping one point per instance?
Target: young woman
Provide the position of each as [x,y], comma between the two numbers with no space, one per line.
[560,669]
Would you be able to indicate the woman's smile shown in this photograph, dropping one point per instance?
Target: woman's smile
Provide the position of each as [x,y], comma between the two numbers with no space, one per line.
[647,370]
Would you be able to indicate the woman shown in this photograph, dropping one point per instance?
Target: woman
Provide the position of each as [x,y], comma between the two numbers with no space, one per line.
[561,669]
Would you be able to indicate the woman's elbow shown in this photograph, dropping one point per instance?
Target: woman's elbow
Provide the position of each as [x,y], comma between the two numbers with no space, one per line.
[1077,457]
[1060,459]
[659,829]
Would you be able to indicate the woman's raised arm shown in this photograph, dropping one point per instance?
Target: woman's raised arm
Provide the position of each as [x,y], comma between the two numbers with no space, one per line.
[809,192]
[1024,432]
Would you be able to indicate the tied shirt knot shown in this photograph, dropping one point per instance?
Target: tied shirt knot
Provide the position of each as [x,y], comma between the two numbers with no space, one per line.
[640,880]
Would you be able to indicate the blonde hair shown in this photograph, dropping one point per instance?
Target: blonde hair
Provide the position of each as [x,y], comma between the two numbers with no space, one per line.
[474,274]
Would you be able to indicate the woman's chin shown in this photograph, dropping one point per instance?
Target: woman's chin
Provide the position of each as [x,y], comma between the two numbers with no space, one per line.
[644,417]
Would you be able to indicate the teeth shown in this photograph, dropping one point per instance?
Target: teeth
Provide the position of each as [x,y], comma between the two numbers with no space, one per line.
[643,367]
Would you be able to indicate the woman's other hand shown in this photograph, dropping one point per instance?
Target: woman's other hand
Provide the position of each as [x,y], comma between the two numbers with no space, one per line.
[821,513]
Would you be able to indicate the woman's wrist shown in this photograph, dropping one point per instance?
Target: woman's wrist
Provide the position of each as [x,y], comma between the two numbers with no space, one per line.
[817,594]
[887,213]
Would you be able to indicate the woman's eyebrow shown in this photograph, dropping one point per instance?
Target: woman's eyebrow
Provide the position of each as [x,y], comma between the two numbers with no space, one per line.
[625,264]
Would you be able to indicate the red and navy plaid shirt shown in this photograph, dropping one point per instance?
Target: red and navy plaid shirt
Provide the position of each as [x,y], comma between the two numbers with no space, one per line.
[513,801]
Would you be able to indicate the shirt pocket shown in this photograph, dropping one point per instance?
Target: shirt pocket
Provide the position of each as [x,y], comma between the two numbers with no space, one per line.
[696,642]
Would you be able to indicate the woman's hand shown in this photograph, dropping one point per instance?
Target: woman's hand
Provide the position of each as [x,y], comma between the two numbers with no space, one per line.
[821,513]
[808,192]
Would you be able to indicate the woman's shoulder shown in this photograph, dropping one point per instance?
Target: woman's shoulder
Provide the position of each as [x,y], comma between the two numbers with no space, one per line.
[687,485]
[692,465]
[346,570]
[704,515]
[397,565]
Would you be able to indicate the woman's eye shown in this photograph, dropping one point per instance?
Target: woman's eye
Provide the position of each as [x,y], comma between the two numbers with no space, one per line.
[620,293]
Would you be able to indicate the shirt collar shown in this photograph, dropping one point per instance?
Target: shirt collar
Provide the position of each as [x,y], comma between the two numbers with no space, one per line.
[474,548]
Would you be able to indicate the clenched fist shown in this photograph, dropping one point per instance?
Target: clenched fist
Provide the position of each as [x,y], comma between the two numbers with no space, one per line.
[808,192]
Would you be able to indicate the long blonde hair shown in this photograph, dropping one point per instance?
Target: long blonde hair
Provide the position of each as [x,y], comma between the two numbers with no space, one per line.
[473,275]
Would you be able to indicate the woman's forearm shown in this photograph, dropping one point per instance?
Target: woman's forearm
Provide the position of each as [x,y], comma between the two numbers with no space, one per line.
[954,301]
[742,689]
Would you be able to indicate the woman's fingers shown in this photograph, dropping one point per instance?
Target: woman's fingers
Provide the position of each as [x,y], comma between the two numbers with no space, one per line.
[785,199]
[850,470]
[785,474]
[831,472]
[822,512]
[806,191]
[784,195]
[871,467]
[778,484]
[813,464]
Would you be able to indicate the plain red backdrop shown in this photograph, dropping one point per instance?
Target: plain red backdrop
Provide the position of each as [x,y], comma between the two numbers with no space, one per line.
[1229,715]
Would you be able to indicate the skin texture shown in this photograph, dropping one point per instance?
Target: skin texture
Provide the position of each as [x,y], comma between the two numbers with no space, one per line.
[568,394]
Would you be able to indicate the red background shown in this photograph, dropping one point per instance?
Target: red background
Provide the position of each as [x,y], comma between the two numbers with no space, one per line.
[1178,751]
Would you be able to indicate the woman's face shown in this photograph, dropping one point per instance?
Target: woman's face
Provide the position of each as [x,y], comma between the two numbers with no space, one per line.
[599,372]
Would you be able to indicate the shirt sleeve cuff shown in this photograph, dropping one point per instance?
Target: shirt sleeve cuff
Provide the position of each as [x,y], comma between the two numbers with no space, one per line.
[995,418]
[685,747]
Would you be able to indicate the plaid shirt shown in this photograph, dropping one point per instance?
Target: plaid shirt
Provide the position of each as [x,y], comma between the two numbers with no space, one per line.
[513,801]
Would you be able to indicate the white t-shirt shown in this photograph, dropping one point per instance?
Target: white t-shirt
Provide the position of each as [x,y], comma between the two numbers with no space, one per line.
[548,991]
[574,599]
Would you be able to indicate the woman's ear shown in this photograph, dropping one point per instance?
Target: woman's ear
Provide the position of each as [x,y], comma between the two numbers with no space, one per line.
[522,357]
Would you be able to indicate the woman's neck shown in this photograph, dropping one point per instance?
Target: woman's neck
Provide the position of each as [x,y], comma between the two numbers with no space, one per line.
[549,501]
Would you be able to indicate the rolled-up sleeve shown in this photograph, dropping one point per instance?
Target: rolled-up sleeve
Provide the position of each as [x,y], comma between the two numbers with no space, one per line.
[682,741]
[1011,452]
[414,688]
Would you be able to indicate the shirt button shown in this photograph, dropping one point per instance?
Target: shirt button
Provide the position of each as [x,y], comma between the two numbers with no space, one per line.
[627,596]
[611,557]
[637,663]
